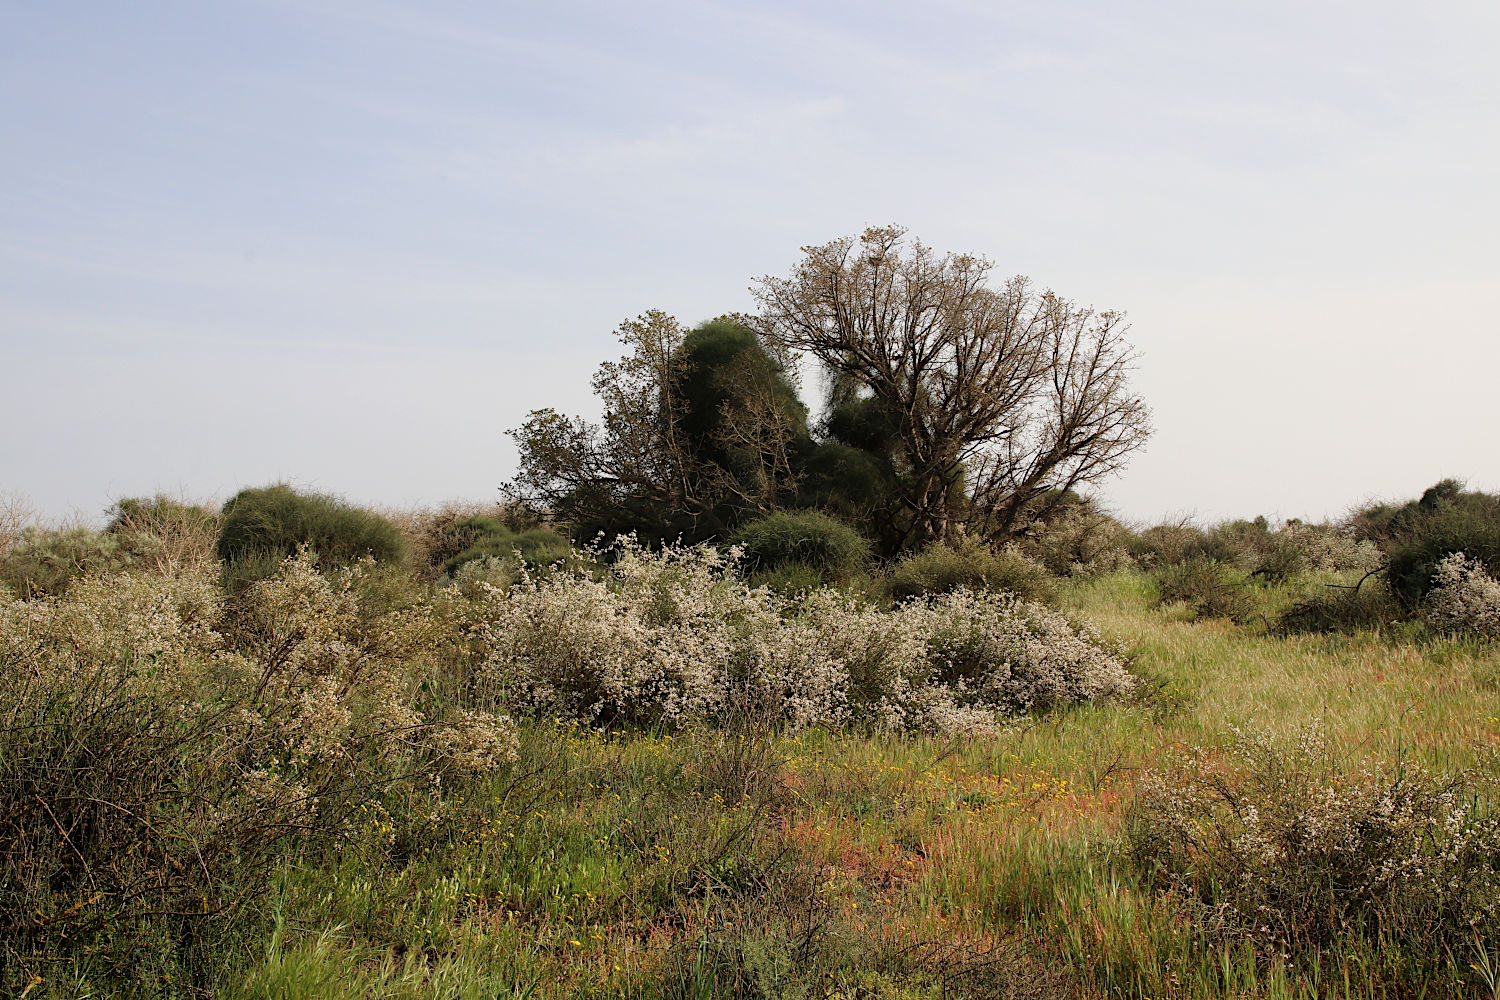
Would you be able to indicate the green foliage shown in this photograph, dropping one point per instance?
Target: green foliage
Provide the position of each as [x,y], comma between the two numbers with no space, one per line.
[969,565]
[1418,536]
[45,562]
[487,538]
[850,471]
[1211,588]
[1168,544]
[1076,537]
[788,579]
[808,539]
[722,364]
[1368,607]
[158,515]
[261,527]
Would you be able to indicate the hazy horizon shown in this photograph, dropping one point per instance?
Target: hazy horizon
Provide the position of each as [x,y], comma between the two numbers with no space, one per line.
[348,244]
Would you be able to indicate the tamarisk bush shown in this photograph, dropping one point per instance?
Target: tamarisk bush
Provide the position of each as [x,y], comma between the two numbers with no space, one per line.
[677,636]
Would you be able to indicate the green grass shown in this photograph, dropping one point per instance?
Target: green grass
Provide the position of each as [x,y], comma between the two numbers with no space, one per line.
[755,864]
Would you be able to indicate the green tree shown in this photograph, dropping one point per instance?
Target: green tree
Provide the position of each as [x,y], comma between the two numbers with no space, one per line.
[698,429]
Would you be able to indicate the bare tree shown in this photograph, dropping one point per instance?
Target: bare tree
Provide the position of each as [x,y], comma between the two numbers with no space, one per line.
[1000,397]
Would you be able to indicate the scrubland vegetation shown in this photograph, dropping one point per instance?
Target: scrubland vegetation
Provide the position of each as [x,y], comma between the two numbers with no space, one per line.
[723,701]
[634,771]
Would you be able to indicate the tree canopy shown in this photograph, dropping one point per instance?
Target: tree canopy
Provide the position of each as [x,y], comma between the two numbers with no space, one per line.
[954,408]
[997,398]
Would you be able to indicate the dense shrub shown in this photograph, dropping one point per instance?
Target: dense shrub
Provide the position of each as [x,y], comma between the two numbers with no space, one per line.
[1211,588]
[1368,606]
[161,750]
[1299,548]
[804,538]
[486,538]
[1170,544]
[1078,539]
[1464,598]
[676,636]
[969,565]
[164,534]
[42,562]
[1286,846]
[1424,533]
[261,527]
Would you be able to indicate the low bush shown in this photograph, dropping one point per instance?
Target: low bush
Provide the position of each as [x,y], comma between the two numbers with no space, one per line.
[161,750]
[164,534]
[677,636]
[261,527]
[42,562]
[487,538]
[804,538]
[1464,598]
[1170,544]
[1284,845]
[1210,588]
[1467,522]
[788,579]
[1366,607]
[969,565]
[1079,539]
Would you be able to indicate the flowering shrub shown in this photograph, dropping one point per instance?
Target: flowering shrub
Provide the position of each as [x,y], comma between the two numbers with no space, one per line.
[162,748]
[676,635]
[1464,598]
[1286,846]
[1078,540]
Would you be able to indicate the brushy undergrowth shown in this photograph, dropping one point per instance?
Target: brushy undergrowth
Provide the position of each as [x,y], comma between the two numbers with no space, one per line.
[1347,608]
[258,528]
[677,636]
[1211,589]
[162,750]
[805,539]
[308,786]
[1464,598]
[969,565]
[1278,841]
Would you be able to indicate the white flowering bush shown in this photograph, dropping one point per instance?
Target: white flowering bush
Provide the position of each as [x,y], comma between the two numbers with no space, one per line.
[678,636]
[161,747]
[1464,598]
[1283,844]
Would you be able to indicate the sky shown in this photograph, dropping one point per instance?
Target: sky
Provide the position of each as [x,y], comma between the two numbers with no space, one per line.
[349,243]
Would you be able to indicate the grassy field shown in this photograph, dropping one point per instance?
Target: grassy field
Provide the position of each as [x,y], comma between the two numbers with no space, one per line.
[757,863]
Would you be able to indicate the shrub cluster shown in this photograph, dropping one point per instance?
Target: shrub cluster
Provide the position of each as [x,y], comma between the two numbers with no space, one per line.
[43,562]
[1252,548]
[1368,605]
[1464,598]
[1212,589]
[1418,536]
[261,527]
[826,547]
[162,747]
[677,635]
[1286,846]
[969,565]
[1079,539]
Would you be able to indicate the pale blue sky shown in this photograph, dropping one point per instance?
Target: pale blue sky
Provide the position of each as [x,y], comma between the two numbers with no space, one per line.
[348,243]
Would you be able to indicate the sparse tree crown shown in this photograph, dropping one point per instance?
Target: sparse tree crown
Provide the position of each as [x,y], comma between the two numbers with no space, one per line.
[1000,397]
